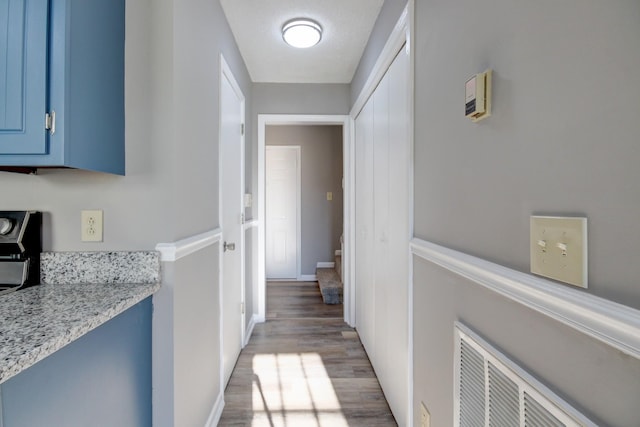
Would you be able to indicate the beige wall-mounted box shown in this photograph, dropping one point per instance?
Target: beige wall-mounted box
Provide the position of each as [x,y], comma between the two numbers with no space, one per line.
[477,92]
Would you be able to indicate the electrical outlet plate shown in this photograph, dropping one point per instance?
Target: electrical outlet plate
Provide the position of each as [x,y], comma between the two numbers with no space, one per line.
[91,225]
[329,195]
[558,247]
[425,416]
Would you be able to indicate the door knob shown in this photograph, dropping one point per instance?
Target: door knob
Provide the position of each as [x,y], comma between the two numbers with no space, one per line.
[228,247]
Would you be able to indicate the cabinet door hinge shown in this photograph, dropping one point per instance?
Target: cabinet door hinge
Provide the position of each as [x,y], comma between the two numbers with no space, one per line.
[242,129]
[241,308]
[50,122]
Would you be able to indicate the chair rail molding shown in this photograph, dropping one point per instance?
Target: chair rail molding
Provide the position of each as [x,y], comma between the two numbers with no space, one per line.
[614,324]
[249,224]
[171,252]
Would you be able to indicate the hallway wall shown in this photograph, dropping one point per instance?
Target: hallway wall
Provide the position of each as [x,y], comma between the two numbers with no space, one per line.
[321,171]
[562,140]
[386,21]
[172,53]
[284,98]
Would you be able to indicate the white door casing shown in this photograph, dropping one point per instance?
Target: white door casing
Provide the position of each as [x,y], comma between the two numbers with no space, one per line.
[282,212]
[232,218]
[347,137]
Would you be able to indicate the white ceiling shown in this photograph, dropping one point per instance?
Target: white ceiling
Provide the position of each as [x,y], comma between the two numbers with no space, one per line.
[257,24]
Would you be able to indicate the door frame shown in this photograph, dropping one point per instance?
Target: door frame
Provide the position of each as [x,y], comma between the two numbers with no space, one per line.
[225,72]
[298,150]
[348,233]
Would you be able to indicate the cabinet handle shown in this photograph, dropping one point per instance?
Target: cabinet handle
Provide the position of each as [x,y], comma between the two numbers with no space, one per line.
[50,122]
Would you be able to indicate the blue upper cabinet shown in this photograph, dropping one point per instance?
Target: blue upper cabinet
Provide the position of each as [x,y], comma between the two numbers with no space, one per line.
[62,60]
[23,78]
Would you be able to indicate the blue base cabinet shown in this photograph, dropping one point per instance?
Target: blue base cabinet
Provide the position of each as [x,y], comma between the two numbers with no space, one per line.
[62,84]
[102,379]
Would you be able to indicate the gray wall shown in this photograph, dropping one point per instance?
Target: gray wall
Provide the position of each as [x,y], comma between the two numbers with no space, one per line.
[196,372]
[283,98]
[563,140]
[321,171]
[386,21]
[172,84]
[171,101]
[298,98]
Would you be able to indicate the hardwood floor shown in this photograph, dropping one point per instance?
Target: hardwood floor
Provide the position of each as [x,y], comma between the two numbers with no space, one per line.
[304,367]
[298,300]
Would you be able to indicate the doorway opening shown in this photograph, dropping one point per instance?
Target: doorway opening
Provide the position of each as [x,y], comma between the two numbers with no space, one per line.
[304,209]
[305,176]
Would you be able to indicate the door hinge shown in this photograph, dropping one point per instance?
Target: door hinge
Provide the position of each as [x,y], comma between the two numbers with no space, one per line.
[241,218]
[50,122]
[241,308]
[242,129]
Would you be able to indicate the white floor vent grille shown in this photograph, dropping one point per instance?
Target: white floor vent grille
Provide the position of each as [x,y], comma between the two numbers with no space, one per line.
[492,391]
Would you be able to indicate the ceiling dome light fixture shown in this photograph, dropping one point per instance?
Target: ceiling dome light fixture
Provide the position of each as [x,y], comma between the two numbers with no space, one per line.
[301,33]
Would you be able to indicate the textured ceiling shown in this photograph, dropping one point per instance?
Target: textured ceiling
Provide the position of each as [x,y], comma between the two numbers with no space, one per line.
[256,26]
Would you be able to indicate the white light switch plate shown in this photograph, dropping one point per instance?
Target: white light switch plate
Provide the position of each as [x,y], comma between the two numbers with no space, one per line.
[558,248]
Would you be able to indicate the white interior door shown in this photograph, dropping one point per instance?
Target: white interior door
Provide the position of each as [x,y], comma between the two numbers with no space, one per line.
[282,211]
[232,207]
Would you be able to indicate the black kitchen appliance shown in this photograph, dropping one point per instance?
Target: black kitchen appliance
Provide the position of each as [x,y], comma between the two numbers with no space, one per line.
[20,248]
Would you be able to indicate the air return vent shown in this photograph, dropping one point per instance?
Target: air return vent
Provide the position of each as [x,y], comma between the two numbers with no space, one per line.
[492,391]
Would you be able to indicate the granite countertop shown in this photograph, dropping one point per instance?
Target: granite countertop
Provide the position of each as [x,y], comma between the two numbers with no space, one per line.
[40,320]
[80,291]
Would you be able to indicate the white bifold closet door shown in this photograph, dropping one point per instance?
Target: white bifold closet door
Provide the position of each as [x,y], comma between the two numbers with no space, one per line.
[383,186]
[364,271]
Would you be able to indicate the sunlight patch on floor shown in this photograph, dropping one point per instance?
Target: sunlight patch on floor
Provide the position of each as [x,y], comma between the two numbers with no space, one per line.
[294,390]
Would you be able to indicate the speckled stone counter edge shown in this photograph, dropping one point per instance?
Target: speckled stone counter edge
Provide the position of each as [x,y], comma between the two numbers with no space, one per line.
[25,354]
[99,267]
[100,285]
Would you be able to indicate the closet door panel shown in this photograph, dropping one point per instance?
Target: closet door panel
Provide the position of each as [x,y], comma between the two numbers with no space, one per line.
[399,231]
[381,223]
[383,201]
[364,262]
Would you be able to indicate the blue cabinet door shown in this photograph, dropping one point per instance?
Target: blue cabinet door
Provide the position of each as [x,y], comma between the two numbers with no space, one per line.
[23,76]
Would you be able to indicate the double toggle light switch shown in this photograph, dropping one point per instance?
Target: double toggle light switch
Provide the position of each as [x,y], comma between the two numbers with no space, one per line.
[559,245]
[559,249]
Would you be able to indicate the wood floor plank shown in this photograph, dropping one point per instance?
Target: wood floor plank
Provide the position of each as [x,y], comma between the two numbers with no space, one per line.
[304,367]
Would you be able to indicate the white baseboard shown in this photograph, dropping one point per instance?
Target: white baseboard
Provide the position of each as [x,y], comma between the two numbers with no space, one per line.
[301,278]
[249,332]
[326,265]
[216,411]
